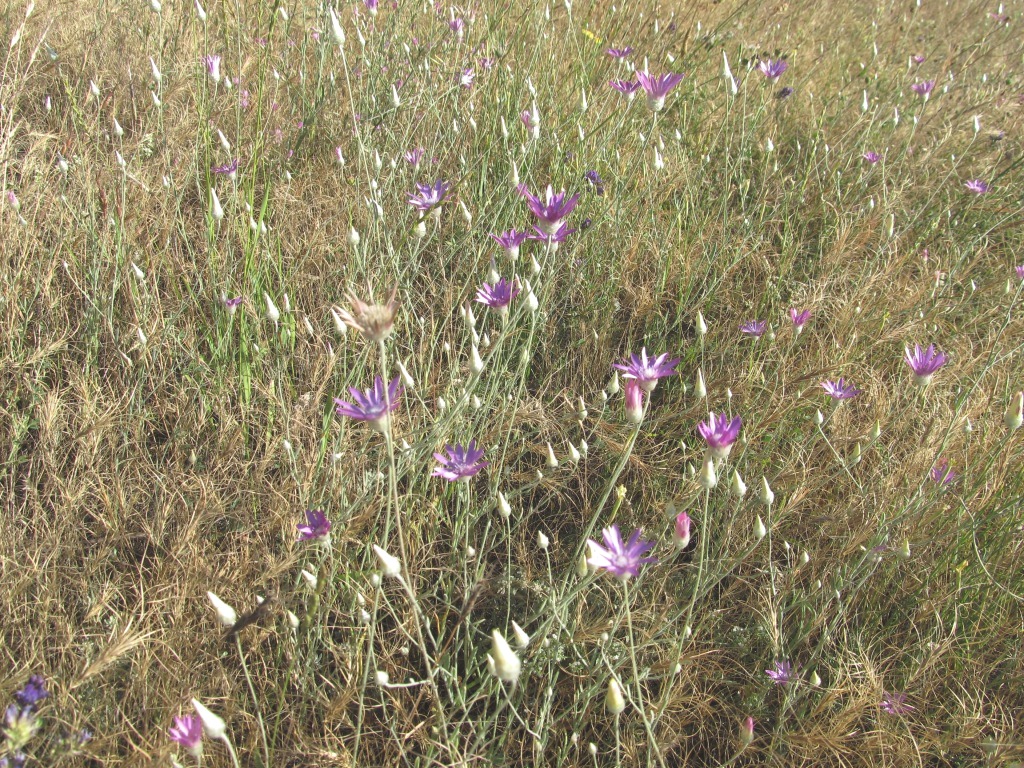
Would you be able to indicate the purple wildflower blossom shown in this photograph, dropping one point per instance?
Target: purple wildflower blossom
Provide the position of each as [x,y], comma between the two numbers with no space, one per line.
[871,157]
[317,526]
[551,210]
[231,304]
[627,87]
[895,703]
[510,241]
[461,463]
[839,389]
[634,401]
[647,370]
[456,25]
[772,69]
[799,318]
[1019,269]
[558,236]
[621,559]
[941,472]
[212,64]
[754,328]
[781,673]
[188,732]
[924,363]
[373,406]
[414,156]
[918,58]
[681,530]
[33,692]
[594,178]
[658,87]
[429,196]
[228,169]
[499,295]
[977,186]
[720,433]
[466,78]
[923,88]
[619,53]
[371,6]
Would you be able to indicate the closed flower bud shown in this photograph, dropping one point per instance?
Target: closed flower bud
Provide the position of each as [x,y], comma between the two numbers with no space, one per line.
[552,460]
[1014,416]
[574,455]
[542,541]
[215,208]
[273,314]
[702,327]
[614,701]
[700,389]
[225,613]
[476,363]
[747,731]
[759,530]
[213,725]
[738,487]
[391,565]
[310,579]
[876,431]
[582,566]
[819,419]
[504,508]
[766,496]
[613,386]
[708,479]
[505,665]
[522,639]
[336,31]
[681,533]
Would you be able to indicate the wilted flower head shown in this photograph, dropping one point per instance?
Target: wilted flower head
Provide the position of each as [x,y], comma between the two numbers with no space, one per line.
[977,186]
[429,196]
[923,88]
[317,526]
[924,363]
[799,318]
[942,474]
[212,64]
[720,433]
[754,328]
[461,463]
[374,321]
[374,405]
[781,673]
[772,69]
[551,210]
[621,559]
[871,157]
[839,389]
[627,87]
[647,370]
[499,295]
[658,87]
[414,156]
[188,732]
[619,53]
[895,703]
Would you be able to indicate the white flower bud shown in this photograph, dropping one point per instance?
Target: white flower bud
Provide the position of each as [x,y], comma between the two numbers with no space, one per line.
[310,579]
[476,363]
[382,678]
[522,639]
[215,208]
[552,460]
[503,662]
[708,478]
[702,327]
[759,530]
[336,31]
[273,314]
[1014,416]
[614,701]
[700,389]
[504,508]
[738,487]
[543,541]
[391,565]
[213,726]
[225,613]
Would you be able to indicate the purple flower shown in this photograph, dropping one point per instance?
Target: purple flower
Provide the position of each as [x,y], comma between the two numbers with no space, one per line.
[510,241]
[428,196]
[772,69]
[188,732]
[871,157]
[466,78]
[619,53]
[33,692]
[839,389]
[895,703]
[499,295]
[924,363]
[657,88]
[918,58]
[231,304]
[754,328]
[634,395]
[923,88]
[627,87]
[558,236]
[212,64]
[781,673]
[456,25]
[373,406]
[621,559]
[552,210]
[461,463]
[720,434]
[595,179]
[317,526]
[941,473]
[371,6]
[228,169]
[1019,269]
[681,531]
[413,157]
[799,318]
[647,370]
[977,186]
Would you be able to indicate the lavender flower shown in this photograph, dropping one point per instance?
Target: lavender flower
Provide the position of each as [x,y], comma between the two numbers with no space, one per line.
[619,53]
[720,434]
[414,156]
[212,64]
[754,328]
[317,526]
[924,363]
[634,402]
[772,69]
[371,6]
[231,305]
[428,196]
[621,559]
[33,692]
[799,318]
[551,210]
[871,157]
[781,673]
[1019,269]
[839,389]
[977,186]
[510,241]
[374,405]
[188,732]
[499,295]
[895,703]
[918,58]
[227,169]
[558,236]
[942,474]
[647,370]
[461,463]
[594,178]
[657,88]
[681,530]
[627,87]
[456,25]
[923,88]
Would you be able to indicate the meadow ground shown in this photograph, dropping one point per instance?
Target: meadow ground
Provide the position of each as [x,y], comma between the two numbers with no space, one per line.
[198,199]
